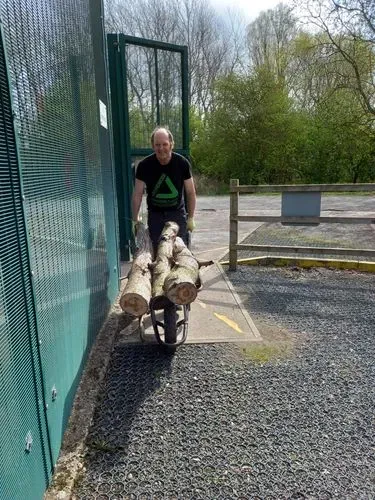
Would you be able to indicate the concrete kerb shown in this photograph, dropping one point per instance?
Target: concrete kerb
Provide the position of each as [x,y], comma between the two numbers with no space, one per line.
[307,262]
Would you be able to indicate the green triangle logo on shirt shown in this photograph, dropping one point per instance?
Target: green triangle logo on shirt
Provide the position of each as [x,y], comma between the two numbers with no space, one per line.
[173,193]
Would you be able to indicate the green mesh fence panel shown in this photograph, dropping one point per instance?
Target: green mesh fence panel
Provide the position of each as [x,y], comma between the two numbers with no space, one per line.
[24,454]
[70,211]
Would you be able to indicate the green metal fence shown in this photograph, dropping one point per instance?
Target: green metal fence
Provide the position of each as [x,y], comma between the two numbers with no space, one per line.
[149,87]
[58,248]
[24,452]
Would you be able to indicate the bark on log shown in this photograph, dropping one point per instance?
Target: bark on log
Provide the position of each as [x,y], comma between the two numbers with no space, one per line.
[163,263]
[137,293]
[180,286]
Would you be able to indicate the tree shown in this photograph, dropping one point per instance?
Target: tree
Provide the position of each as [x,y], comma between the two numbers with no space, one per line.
[252,133]
[346,30]
[315,74]
[269,38]
[214,43]
[340,146]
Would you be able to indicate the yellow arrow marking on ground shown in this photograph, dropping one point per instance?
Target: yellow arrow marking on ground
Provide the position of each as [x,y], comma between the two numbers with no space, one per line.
[229,322]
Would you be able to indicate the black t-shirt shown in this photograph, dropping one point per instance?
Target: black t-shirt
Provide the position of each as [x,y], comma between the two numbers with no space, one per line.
[164,183]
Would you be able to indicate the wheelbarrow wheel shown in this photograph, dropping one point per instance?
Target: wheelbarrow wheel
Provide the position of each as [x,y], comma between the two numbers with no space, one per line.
[170,324]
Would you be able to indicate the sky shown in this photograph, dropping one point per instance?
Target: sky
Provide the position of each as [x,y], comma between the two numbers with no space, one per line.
[250,8]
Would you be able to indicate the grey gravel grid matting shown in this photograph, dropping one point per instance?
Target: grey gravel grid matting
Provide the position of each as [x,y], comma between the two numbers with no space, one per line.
[290,418]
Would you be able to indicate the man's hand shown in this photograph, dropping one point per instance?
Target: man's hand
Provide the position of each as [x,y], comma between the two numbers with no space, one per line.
[134,226]
[190,224]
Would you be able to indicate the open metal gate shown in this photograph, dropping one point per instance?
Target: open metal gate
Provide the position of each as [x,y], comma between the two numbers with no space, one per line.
[149,87]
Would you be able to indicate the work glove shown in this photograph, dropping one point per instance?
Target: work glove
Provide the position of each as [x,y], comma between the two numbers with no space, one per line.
[135,226]
[190,224]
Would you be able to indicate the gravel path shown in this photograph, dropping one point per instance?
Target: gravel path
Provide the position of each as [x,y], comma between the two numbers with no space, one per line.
[291,417]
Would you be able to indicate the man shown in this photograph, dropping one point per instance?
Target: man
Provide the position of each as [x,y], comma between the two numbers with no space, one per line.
[166,175]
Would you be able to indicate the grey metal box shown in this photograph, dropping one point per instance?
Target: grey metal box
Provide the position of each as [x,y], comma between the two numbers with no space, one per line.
[301,204]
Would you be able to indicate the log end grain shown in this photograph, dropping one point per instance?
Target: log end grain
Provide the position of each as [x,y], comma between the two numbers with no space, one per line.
[134,303]
[182,293]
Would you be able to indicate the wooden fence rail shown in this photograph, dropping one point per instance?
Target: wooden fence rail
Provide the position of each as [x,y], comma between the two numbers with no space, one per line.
[235,218]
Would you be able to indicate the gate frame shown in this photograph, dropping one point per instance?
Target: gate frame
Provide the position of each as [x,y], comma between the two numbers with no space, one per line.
[121,124]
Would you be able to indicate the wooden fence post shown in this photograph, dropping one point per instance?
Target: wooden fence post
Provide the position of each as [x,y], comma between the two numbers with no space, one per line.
[233,226]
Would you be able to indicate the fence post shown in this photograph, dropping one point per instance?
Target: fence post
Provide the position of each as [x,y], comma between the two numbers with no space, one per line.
[233,228]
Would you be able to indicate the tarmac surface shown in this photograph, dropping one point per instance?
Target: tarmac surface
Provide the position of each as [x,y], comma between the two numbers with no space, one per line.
[211,235]
[286,412]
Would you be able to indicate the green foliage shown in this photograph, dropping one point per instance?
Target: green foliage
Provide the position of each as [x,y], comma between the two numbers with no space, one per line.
[253,134]
[305,118]
[341,146]
[257,134]
[141,125]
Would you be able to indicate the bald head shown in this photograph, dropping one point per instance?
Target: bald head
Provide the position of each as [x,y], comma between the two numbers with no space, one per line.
[165,131]
[162,144]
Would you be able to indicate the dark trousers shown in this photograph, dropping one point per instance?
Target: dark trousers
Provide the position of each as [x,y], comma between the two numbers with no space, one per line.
[157,220]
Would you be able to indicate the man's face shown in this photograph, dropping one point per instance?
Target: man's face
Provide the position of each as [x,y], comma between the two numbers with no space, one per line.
[162,147]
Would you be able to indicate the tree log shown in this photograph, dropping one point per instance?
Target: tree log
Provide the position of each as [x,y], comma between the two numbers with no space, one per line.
[137,293]
[180,286]
[163,263]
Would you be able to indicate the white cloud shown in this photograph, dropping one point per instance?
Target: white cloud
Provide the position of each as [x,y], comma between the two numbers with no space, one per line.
[250,8]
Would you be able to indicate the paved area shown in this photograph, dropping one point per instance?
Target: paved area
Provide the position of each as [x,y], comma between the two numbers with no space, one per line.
[212,217]
[290,416]
[218,308]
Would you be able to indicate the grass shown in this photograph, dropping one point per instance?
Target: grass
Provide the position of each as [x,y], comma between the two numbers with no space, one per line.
[61,480]
[79,479]
[265,353]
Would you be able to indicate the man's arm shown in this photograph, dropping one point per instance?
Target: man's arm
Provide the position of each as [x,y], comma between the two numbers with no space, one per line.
[191,197]
[137,198]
